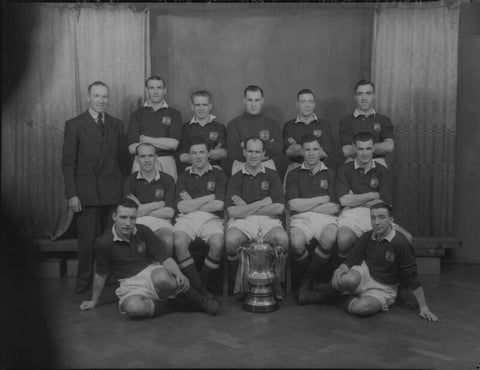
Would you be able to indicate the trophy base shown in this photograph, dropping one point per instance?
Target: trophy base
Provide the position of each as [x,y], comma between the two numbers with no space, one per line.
[260,300]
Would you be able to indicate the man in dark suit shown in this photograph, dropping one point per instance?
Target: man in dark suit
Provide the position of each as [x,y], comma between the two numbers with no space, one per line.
[91,166]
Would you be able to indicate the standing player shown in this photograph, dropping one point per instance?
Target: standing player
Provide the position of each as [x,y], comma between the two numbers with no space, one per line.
[91,165]
[203,125]
[158,124]
[154,193]
[311,197]
[254,202]
[254,124]
[365,119]
[148,276]
[200,195]
[306,122]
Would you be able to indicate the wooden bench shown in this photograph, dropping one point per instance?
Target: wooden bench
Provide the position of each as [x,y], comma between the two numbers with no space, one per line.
[429,250]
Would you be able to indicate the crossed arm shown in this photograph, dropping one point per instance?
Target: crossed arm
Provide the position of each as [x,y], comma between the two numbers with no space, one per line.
[155,209]
[207,203]
[261,207]
[320,204]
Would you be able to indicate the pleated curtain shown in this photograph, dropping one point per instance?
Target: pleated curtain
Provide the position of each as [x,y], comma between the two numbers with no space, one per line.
[414,65]
[71,46]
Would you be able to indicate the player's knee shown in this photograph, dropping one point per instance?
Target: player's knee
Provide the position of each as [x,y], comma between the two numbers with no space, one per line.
[215,244]
[329,236]
[181,242]
[348,282]
[136,308]
[162,280]
[362,307]
[345,238]
[297,243]
[280,238]
[232,242]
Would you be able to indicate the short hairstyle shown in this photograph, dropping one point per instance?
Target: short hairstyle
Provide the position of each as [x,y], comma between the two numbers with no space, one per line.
[98,83]
[363,82]
[155,78]
[252,88]
[383,205]
[197,140]
[363,137]
[127,203]
[144,144]
[305,91]
[309,138]
[203,93]
[253,138]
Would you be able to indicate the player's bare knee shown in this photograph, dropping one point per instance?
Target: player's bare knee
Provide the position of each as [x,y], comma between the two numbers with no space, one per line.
[349,282]
[162,280]
[345,239]
[297,243]
[215,245]
[280,238]
[232,242]
[362,307]
[329,236]
[136,307]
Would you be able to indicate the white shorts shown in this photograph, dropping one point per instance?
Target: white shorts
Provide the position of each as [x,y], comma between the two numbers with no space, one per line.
[237,165]
[252,224]
[139,284]
[165,164]
[357,219]
[199,224]
[311,223]
[368,286]
[154,223]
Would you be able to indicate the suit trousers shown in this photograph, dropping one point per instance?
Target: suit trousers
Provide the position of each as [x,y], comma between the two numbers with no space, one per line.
[92,221]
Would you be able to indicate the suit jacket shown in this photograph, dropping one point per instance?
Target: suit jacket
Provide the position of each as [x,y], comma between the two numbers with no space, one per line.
[92,164]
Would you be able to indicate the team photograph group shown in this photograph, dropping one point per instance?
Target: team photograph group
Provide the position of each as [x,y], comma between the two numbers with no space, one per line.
[144,196]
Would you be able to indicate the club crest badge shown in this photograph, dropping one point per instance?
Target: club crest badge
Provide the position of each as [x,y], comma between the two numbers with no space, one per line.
[213,135]
[264,135]
[166,121]
[377,127]
[141,247]
[389,256]
[264,185]
[159,193]
[374,183]
[317,133]
[324,184]
[211,185]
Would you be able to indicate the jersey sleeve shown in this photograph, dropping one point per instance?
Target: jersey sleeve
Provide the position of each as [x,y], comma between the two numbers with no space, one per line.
[287,134]
[133,131]
[346,134]
[103,262]
[175,131]
[220,186]
[331,186]
[291,189]
[233,141]
[342,185]
[169,192]
[276,188]
[179,187]
[387,130]
[154,246]
[385,185]
[234,187]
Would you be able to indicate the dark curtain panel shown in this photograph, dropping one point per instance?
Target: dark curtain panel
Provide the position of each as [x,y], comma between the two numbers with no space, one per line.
[281,47]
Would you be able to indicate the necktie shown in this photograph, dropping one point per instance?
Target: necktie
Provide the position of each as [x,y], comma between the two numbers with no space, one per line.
[101,126]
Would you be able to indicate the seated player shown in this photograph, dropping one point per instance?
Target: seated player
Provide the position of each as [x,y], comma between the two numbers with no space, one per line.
[200,195]
[360,184]
[372,272]
[148,277]
[154,193]
[204,125]
[311,198]
[254,202]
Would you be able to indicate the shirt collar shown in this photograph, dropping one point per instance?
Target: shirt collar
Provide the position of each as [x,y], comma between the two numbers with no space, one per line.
[210,119]
[191,169]
[118,238]
[357,113]
[299,119]
[96,114]
[163,104]
[357,166]
[322,166]
[245,172]
[389,237]
[139,175]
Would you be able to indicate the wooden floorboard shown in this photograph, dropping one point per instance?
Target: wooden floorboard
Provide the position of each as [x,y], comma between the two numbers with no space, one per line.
[294,336]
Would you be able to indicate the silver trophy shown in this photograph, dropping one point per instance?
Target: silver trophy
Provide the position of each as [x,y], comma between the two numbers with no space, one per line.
[260,275]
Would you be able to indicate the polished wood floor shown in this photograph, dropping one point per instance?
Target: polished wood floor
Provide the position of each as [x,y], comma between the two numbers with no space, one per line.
[293,337]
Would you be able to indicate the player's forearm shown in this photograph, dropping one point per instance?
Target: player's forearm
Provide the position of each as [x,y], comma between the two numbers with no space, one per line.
[212,206]
[217,154]
[190,205]
[306,204]
[132,147]
[371,203]
[164,143]
[271,210]
[328,208]
[244,210]
[147,208]
[420,297]
[98,284]
[385,147]
[165,212]
[294,150]
[171,266]
[349,151]
[356,200]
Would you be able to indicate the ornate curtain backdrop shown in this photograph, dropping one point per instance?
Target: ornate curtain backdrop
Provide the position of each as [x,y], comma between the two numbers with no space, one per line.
[70,47]
[414,66]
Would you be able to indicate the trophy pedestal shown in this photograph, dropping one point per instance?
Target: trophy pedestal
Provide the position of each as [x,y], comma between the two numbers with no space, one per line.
[260,299]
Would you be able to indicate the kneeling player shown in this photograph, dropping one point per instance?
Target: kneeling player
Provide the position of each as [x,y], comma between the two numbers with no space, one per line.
[148,276]
[372,272]
[200,195]
[310,195]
